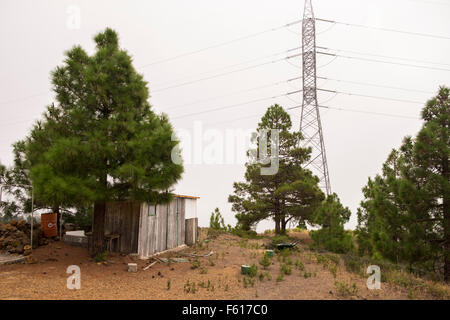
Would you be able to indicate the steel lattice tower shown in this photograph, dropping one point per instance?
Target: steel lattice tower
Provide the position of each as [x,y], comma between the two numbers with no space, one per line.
[310,125]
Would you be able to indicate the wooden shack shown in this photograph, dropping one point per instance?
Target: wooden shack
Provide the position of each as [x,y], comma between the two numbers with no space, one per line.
[146,229]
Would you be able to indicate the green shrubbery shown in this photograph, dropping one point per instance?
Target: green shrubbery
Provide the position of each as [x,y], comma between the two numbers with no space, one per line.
[332,216]
[341,242]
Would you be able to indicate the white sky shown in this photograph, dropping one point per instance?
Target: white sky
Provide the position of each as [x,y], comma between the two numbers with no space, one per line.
[35,34]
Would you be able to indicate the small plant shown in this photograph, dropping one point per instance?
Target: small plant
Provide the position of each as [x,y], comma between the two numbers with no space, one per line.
[307,275]
[280,277]
[203,270]
[101,256]
[333,270]
[261,277]
[253,271]
[265,261]
[216,221]
[189,287]
[168,284]
[245,282]
[243,243]
[196,264]
[299,265]
[344,290]
[211,262]
[226,287]
[287,260]
[268,276]
[285,269]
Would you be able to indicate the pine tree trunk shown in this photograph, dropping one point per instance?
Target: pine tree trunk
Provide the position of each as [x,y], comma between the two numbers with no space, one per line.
[283,225]
[98,231]
[446,207]
[446,241]
[277,225]
[58,218]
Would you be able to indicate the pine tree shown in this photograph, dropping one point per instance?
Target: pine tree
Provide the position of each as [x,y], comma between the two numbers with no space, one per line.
[292,194]
[405,214]
[331,216]
[105,142]
[432,154]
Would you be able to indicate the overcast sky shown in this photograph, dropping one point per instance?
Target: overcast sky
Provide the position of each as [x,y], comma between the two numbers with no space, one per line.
[35,34]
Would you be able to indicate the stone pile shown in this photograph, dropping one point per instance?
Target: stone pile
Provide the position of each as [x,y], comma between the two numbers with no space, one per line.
[15,237]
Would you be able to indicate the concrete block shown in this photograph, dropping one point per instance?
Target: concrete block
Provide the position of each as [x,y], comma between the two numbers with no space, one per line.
[132,267]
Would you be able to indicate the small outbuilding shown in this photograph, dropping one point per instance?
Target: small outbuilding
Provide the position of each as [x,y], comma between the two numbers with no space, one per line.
[146,229]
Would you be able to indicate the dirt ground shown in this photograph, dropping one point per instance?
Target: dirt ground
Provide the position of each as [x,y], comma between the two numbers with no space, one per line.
[217,277]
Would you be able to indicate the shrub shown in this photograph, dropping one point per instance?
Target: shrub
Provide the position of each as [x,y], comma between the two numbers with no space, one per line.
[344,290]
[338,243]
[265,261]
[286,269]
[253,271]
[102,256]
[282,238]
[299,265]
[195,264]
[216,221]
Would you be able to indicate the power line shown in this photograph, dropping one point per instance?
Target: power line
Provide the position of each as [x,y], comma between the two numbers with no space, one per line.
[236,105]
[222,44]
[374,85]
[225,73]
[369,96]
[381,61]
[231,94]
[324,107]
[230,66]
[362,111]
[385,29]
[383,56]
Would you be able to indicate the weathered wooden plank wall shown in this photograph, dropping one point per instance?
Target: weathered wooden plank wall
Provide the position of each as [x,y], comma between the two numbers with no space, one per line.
[191,231]
[162,231]
[123,218]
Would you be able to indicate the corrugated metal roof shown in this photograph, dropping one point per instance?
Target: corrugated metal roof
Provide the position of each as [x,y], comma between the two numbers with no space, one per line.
[187,197]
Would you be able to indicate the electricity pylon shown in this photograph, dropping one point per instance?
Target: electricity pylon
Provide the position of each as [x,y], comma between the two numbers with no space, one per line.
[310,125]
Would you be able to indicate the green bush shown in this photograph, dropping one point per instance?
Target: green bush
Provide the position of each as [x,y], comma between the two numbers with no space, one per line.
[216,221]
[265,261]
[253,271]
[280,239]
[286,269]
[334,242]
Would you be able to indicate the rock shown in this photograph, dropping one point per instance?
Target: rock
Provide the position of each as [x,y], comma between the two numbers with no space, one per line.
[27,250]
[30,259]
[132,267]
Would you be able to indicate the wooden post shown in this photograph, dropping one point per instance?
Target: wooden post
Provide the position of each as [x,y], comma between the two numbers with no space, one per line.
[191,231]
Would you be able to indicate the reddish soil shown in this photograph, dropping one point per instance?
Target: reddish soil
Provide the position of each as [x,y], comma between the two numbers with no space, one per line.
[47,278]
